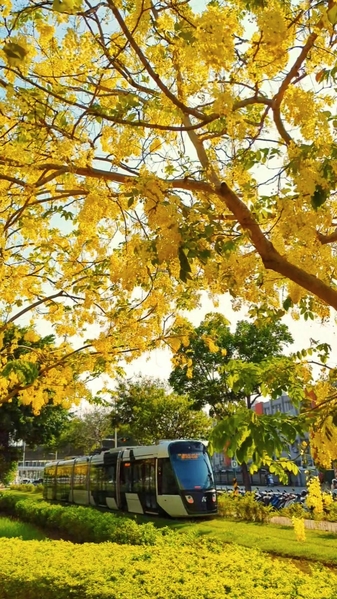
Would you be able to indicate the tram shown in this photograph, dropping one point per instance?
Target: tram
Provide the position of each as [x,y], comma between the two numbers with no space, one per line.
[172,478]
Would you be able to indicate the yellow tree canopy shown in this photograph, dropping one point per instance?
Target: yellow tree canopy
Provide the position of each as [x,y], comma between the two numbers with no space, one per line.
[35,371]
[149,150]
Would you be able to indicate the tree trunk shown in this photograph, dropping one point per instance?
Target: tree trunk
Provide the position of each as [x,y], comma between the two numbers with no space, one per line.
[246,477]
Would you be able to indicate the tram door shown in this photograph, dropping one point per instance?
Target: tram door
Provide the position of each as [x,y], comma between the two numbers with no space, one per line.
[144,483]
[125,484]
[150,499]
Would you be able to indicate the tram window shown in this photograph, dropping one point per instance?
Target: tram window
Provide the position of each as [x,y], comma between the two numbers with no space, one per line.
[150,481]
[108,479]
[143,476]
[150,476]
[49,475]
[191,464]
[126,477]
[102,481]
[110,474]
[138,476]
[80,476]
[95,477]
[167,484]
[63,479]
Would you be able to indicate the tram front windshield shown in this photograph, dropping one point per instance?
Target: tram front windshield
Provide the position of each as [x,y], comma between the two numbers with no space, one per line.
[191,465]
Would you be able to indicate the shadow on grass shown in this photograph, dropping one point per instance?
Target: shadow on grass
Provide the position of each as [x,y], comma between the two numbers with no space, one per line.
[11,528]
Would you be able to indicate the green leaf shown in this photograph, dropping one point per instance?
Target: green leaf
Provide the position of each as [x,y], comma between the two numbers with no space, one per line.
[15,53]
[288,303]
[332,14]
[185,268]
[67,6]
[319,197]
[27,372]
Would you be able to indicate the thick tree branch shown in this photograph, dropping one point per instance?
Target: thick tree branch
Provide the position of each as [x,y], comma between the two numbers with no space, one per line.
[271,258]
[324,239]
[294,70]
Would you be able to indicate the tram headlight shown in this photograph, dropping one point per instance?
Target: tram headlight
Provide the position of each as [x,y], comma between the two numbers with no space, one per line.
[189,499]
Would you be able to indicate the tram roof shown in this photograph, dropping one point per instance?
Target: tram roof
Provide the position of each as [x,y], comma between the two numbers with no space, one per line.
[140,449]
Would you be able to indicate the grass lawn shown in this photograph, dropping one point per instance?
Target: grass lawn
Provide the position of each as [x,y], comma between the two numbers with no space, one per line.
[319,546]
[13,528]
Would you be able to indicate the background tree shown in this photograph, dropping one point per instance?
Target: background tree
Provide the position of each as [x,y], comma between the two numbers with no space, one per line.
[37,418]
[149,412]
[204,367]
[19,422]
[229,372]
[261,440]
[86,431]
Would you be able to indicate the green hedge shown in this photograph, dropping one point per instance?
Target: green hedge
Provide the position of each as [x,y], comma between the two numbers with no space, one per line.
[81,524]
[29,488]
[61,570]
[243,507]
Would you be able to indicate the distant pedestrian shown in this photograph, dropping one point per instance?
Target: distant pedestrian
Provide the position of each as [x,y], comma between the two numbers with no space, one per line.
[270,480]
[334,486]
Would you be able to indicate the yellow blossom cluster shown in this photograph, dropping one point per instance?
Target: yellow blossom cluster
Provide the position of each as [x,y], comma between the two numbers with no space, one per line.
[323,443]
[314,498]
[299,529]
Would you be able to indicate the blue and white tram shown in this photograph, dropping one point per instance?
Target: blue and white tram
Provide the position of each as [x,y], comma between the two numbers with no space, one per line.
[173,478]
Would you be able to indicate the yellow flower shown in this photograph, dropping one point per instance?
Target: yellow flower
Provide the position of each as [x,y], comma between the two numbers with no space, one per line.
[299,528]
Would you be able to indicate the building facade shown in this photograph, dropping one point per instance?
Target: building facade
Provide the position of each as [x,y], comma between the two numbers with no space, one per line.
[223,466]
[284,405]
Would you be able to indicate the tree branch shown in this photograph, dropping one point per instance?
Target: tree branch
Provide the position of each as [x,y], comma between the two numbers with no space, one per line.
[324,239]
[277,100]
[271,258]
[31,307]
[185,109]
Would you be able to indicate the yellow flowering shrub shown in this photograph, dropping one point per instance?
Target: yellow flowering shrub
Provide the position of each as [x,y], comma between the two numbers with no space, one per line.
[327,500]
[59,570]
[315,499]
[298,524]
[243,508]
